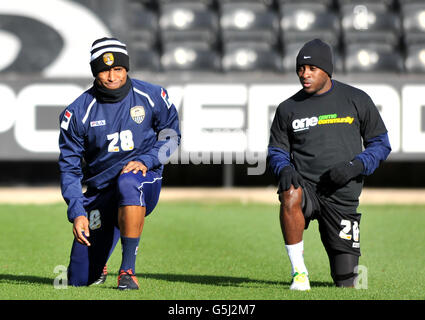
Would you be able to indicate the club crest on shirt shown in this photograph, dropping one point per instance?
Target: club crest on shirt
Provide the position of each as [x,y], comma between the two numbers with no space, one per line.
[137,113]
[108,59]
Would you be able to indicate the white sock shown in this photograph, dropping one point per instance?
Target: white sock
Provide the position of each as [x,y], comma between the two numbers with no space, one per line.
[296,256]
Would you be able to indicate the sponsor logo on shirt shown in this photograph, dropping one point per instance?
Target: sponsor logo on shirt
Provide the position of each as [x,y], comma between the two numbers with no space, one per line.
[327,119]
[97,123]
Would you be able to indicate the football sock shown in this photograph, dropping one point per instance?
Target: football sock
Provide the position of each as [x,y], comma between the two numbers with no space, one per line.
[129,252]
[296,256]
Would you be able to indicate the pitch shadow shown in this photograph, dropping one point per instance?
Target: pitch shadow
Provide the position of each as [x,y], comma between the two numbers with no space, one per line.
[25,279]
[224,281]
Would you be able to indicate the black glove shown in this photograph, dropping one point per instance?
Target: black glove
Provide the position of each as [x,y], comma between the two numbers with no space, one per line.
[343,172]
[288,176]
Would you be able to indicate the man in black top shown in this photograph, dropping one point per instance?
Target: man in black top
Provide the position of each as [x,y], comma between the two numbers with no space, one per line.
[315,151]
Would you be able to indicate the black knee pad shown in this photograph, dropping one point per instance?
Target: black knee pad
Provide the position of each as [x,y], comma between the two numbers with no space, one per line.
[345,280]
[343,269]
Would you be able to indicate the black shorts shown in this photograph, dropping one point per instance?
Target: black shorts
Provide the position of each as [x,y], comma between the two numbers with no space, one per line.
[339,226]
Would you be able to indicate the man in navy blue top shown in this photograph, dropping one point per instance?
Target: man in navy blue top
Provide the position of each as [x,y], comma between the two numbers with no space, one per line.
[114,139]
[323,141]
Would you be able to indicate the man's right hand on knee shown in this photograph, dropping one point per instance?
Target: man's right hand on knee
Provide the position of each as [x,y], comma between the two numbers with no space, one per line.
[289,176]
[81,224]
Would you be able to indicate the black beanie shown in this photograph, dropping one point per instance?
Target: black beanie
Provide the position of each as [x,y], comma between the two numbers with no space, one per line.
[107,53]
[316,53]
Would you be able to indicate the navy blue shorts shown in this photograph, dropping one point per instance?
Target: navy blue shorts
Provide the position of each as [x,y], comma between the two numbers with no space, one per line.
[86,263]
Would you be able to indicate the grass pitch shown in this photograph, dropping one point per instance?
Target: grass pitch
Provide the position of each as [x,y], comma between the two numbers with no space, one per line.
[213,251]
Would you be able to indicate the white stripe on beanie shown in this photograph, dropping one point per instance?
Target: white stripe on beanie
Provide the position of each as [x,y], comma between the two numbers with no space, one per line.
[108,45]
[110,49]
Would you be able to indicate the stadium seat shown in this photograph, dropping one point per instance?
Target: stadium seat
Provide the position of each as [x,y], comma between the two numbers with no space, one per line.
[370,22]
[388,3]
[263,2]
[289,56]
[143,58]
[207,2]
[142,25]
[305,21]
[415,58]
[372,57]
[187,21]
[248,22]
[327,3]
[413,16]
[149,3]
[190,56]
[291,51]
[251,56]
[403,2]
